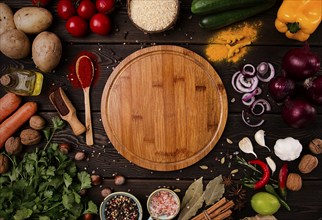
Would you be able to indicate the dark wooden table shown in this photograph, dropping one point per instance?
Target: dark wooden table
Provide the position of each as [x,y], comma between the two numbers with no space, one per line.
[125,39]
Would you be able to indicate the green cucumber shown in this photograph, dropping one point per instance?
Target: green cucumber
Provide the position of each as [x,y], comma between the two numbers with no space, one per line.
[205,7]
[216,21]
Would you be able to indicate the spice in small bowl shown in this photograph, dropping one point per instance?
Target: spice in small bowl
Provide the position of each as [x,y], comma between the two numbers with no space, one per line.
[153,16]
[163,204]
[121,205]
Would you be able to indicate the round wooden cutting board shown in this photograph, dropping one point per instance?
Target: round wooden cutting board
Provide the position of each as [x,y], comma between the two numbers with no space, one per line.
[164,108]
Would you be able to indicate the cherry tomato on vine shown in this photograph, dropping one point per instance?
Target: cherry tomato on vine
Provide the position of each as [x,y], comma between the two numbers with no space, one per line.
[76,26]
[105,6]
[40,3]
[100,24]
[86,9]
[66,9]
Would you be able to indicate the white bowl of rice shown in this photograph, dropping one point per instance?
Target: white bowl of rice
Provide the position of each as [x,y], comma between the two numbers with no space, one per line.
[153,16]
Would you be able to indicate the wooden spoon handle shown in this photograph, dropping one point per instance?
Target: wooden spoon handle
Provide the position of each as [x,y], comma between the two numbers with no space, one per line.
[88,120]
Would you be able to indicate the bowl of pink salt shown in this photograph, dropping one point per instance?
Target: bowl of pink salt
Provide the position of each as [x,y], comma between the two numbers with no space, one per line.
[163,204]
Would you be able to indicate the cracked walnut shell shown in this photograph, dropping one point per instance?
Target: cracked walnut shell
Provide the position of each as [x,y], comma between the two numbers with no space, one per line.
[308,163]
[316,146]
[294,182]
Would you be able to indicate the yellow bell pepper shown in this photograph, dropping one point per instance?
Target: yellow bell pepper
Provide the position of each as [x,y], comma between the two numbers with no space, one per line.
[298,19]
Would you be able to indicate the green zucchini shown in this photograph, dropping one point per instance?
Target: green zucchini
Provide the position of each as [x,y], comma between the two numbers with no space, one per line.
[205,7]
[216,21]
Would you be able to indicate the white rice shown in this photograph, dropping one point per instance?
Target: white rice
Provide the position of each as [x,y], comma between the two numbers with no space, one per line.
[153,15]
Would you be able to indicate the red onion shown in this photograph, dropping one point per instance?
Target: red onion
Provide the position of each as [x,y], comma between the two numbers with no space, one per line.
[248,70]
[266,72]
[248,99]
[301,63]
[244,84]
[263,104]
[281,87]
[298,113]
[313,87]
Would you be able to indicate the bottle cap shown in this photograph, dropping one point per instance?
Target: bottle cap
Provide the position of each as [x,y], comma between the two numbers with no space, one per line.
[5,80]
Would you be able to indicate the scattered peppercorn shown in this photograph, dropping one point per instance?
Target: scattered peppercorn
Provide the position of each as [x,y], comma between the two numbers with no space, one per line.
[121,207]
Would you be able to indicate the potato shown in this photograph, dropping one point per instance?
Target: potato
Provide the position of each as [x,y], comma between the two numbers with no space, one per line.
[46,51]
[15,44]
[6,18]
[32,20]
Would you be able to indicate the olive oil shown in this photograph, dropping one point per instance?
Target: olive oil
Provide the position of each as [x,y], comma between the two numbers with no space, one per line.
[22,82]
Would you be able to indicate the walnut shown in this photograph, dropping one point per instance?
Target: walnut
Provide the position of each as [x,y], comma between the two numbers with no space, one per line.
[308,163]
[316,146]
[294,182]
[13,145]
[30,136]
[37,122]
[4,163]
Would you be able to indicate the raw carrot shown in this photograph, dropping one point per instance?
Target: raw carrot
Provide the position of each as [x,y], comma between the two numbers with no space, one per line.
[15,121]
[8,104]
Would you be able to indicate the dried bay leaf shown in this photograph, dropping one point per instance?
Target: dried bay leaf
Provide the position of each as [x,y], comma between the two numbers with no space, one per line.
[215,189]
[191,208]
[192,200]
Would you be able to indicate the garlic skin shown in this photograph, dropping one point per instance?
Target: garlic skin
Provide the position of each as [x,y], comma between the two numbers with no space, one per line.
[271,164]
[260,138]
[246,146]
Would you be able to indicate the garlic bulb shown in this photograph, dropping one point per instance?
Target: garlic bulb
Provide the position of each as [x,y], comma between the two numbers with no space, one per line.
[246,146]
[260,138]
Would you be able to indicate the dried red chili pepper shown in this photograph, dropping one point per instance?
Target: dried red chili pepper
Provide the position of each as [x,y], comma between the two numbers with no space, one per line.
[265,177]
[282,176]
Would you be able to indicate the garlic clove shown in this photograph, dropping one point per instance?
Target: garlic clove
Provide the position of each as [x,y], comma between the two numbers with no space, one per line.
[260,138]
[246,146]
[271,164]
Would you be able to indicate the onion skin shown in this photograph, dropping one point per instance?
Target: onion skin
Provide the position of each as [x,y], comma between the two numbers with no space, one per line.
[313,88]
[301,63]
[281,88]
[298,113]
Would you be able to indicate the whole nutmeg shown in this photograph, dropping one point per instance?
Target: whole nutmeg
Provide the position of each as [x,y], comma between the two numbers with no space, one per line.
[13,145]
[4,163]
[96,179]
[308,163]
[316,146]
[80,155]
[106,191]
[30,136]
[294,182]
[119,180]
[37,122]
[64,148]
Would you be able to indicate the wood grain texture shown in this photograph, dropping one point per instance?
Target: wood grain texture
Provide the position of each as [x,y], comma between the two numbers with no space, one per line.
[164,107]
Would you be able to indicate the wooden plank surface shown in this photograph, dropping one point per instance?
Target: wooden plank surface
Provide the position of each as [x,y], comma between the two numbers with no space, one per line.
[125,39]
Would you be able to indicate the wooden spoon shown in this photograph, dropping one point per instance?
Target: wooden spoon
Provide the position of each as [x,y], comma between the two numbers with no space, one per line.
[85,74]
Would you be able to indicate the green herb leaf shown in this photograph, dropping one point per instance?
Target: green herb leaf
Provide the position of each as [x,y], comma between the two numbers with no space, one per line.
[58,123]
[85,180]
[47,132]
[91,208]
[22,214]
[67,180]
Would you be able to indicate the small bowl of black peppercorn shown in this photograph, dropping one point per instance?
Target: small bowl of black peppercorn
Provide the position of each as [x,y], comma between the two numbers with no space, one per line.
[121,205]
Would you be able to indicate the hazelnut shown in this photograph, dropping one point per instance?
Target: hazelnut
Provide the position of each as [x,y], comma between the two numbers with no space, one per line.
[83,192]
[106,191]
[13,145]
[80,156]
[316,146]
[96,179]
[4,163]
[37,122]
[30,136]
[294,182]
[308,163]
[64,148]
[119,180]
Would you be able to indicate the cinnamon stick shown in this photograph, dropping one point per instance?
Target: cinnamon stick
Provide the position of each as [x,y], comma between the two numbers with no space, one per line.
[211,209]
[219,209]
[223,208]
[223,215]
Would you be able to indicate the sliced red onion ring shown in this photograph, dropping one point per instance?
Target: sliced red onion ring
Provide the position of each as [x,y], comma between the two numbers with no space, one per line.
[263,104]
[233,81]
[270,73]
[248,99]
[244,84]
[262,68]
[248,96]
[248,70]
[246,120]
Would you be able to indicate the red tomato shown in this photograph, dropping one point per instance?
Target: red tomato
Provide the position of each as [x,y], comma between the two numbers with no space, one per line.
[105,6]
[65,9]
[76,26]
[100,24]
[40,2]
[86,9]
